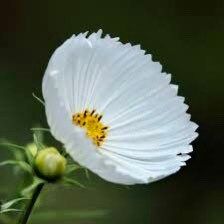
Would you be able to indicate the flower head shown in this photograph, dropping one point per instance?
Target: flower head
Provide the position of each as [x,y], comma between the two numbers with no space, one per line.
[115,110]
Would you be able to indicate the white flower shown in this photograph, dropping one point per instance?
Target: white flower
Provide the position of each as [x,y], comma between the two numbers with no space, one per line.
[115,111]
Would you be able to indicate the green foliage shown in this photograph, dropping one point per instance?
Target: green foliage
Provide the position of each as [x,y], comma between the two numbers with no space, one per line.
[40,129]
[16,150]
[27,191]
[38,141]
[71,182]
[23,165]
[11,145]
[7,206]
[24,159]
[87,173]
[38,99]
[72,167]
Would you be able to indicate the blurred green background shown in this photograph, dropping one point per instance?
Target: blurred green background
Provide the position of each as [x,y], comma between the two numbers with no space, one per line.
[187,37]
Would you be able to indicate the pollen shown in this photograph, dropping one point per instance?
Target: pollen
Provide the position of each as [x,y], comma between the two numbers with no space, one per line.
[91,122]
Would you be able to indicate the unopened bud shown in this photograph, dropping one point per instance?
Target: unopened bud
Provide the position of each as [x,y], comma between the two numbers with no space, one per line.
[50,164]
[32,148]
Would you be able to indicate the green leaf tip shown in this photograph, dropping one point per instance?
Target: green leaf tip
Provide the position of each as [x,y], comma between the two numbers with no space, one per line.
[70,181]
[11,145]
[6,207]
[10,210]
[23,165]
[38,99]
[8,204]
[40,129]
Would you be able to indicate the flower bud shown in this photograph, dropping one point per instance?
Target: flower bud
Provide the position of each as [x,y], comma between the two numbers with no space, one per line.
[32,148]
[50,164]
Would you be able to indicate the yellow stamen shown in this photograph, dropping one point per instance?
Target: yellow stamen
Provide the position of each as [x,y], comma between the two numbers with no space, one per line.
[91,122]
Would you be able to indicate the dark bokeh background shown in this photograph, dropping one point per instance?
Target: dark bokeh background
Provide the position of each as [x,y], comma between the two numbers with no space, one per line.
[187,37]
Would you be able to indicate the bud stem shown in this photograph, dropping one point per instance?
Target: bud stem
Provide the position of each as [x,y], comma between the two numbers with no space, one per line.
[25,216]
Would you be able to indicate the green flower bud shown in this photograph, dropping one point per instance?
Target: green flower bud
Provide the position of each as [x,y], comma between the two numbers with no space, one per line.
[32,148]
[50,164]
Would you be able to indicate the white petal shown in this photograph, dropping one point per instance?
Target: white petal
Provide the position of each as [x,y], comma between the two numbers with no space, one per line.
[149,130]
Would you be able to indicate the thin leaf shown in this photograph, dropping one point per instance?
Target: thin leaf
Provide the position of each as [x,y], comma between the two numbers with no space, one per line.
[10,145]
[38,99]
[8,204]
[37,142]
[68,215]
[87,173]
[29,155]
[29,189]
[10,210]
[40,129]
[72,182]
[17,150]
[72,167]
[23,165]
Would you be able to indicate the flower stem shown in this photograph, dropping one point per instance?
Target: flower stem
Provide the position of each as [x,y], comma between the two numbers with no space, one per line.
[31,204]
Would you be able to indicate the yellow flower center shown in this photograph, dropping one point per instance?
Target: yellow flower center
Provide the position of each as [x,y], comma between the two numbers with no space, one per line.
[91,122]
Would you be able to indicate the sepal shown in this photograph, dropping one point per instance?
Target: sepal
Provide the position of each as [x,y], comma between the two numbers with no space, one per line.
[7,206]
[27,191]
[71,182]
[21,164]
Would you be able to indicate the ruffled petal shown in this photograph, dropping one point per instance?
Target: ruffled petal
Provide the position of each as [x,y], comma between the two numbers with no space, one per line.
[149,130]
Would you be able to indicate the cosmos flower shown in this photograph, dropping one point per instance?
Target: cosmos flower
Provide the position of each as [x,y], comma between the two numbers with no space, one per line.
[115,111]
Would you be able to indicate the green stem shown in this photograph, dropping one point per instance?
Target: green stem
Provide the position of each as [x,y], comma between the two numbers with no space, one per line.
[31,204]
